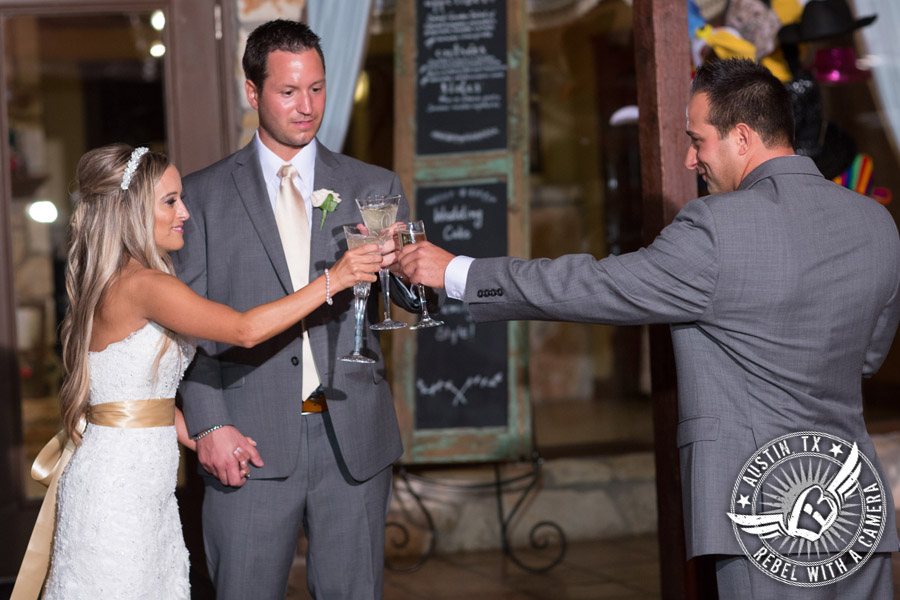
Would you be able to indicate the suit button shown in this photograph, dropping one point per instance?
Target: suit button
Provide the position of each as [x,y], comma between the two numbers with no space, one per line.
[295,361]
[499,291]
[480,293]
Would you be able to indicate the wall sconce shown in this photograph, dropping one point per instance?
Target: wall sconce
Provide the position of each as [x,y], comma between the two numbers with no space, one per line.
[43,211]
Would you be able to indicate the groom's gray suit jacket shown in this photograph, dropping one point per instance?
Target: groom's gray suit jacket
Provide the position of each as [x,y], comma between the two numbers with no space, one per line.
[233,255]
[782,294]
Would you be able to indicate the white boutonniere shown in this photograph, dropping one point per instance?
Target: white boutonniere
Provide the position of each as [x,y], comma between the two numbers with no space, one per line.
[327,200]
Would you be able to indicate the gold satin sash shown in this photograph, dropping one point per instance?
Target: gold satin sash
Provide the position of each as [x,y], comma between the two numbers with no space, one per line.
[134,413]
[49,465]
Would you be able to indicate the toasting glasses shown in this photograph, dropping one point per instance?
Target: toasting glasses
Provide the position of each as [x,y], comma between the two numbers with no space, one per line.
[357,237]
[415,232]
[379,213]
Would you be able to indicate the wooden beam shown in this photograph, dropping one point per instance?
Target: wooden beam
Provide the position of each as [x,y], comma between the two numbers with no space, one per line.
[662,58]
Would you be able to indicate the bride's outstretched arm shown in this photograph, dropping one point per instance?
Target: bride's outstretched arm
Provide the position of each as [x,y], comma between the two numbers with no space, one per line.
[166,300]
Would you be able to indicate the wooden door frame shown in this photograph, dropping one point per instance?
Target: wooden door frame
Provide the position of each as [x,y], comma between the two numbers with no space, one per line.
[662,59]
[200,130]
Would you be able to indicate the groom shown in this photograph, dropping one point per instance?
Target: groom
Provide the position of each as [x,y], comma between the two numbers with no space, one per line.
[326,431]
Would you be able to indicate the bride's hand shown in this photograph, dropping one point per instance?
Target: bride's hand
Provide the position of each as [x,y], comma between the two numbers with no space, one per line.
[182,433]
[359,264]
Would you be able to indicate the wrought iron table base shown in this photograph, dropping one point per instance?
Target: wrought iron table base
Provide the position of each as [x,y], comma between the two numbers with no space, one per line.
[537,541]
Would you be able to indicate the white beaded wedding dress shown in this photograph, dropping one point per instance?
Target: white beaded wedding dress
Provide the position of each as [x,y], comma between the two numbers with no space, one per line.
[118,532]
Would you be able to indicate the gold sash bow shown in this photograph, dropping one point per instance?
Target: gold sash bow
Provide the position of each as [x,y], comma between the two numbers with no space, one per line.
[49,465]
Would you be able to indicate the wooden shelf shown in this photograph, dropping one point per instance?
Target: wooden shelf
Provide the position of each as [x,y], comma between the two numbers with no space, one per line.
[24,186]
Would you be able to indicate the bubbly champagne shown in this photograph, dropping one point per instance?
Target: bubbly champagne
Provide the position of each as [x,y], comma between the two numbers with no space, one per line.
[379,217]
[406,237]
[356,241]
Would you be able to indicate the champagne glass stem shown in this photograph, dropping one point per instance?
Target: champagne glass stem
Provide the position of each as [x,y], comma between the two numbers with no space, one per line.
[360,294]
[421,289]
[385,293]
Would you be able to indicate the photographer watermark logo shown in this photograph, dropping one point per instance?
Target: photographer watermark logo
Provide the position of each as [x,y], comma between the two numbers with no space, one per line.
[808,509]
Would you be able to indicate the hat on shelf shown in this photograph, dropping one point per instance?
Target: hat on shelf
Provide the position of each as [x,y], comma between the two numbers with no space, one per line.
[711,9]
[838,66]
[789,11]
[830,147]
[756,22]
[859,176]
[695,19]
[822,19]
[726,42]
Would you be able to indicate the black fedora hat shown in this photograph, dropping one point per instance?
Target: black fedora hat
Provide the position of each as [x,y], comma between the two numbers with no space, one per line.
[822,19]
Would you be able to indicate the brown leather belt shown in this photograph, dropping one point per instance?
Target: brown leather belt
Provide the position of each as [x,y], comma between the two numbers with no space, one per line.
[316,402]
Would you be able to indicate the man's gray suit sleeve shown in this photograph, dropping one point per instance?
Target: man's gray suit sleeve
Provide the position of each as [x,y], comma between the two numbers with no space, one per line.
[671,281]
[201,388]
[882,336]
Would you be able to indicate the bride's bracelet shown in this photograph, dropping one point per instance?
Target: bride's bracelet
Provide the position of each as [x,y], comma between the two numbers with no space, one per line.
[206,432]
[328,288]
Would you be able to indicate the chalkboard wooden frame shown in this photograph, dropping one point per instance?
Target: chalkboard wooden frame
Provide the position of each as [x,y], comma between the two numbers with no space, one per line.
[509,166]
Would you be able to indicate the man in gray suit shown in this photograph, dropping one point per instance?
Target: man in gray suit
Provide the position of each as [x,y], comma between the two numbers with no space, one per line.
[325,429]
[782,291]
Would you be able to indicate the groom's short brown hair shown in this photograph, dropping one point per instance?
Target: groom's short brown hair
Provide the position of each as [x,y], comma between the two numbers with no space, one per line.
[280,34]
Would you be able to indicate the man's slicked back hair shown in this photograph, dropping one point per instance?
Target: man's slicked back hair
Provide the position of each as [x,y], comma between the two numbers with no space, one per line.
[742,91]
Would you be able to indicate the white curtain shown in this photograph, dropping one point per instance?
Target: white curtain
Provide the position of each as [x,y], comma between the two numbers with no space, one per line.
[880,40]
[343,27]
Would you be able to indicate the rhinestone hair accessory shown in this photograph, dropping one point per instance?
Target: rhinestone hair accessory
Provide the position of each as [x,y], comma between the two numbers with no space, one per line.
[132,165]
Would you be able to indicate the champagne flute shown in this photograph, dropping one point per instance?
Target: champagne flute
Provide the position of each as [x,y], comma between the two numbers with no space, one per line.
[379,213]
[356,238]
[415,232]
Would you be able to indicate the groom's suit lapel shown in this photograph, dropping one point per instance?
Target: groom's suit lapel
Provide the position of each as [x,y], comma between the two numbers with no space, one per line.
[327,240]
[251,189]
[327,246]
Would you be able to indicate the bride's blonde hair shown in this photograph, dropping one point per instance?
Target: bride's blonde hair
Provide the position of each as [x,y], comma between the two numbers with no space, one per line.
[109,227]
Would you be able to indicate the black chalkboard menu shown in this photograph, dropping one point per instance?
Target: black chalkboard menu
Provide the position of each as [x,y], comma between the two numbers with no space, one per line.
[461,76]
[461,367]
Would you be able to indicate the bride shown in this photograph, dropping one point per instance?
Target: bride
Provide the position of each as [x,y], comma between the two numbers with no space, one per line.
[126,343]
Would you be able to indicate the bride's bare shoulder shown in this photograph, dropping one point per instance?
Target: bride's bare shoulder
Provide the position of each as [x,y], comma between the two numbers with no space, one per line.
[135,276]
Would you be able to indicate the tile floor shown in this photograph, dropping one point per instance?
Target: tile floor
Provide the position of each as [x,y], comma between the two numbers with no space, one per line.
[623,569]
[619,569]
[626,569]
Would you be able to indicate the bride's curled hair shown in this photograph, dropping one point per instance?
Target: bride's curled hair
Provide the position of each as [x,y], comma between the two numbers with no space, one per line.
[109,227]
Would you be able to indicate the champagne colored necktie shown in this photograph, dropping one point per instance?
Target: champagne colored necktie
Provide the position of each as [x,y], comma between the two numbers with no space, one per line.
[293,228]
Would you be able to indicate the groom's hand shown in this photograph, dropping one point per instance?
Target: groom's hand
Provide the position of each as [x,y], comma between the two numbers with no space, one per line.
[425,263]
[224,453]
[390,251]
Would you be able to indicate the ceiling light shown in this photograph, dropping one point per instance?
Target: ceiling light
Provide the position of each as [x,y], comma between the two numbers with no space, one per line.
[158,20]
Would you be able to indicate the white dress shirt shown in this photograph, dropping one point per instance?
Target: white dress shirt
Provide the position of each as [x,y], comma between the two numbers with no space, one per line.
[455,276]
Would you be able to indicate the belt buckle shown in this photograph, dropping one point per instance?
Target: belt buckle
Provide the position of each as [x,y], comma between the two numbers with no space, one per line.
[315,403]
